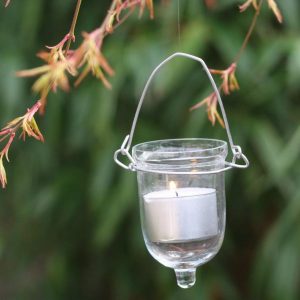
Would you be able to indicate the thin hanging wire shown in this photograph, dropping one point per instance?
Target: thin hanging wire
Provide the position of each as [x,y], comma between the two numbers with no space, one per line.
[178,24]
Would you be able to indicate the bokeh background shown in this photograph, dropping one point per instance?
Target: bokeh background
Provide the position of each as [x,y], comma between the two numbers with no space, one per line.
[69,218]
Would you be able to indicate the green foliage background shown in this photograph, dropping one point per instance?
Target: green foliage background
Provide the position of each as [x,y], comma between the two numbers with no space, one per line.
[69,219]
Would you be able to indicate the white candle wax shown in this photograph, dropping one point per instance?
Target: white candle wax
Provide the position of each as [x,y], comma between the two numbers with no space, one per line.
[181,214]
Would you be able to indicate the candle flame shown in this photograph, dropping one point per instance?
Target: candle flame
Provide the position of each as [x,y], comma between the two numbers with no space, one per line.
[172,185]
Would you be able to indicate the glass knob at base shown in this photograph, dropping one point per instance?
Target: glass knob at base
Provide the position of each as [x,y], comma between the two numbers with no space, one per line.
[186,278]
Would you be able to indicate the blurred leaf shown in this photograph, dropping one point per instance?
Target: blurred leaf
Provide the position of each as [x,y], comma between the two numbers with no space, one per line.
[293,68]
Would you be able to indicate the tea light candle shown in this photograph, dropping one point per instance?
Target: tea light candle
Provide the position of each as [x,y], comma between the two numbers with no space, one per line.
[181,214]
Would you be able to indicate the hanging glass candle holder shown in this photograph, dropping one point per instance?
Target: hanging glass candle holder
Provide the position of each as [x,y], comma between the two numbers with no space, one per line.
[182,192]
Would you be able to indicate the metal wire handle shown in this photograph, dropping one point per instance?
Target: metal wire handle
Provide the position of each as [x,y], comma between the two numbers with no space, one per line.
[236,150]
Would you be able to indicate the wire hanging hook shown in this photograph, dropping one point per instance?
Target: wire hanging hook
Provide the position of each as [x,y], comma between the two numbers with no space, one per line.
[235,149]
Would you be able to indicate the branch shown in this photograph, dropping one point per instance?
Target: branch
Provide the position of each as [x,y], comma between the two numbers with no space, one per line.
[61,63]
[29,128]
[73,25]
[249,32]
[228,77]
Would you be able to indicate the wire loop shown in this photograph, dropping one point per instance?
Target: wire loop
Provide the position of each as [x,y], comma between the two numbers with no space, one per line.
[235,149]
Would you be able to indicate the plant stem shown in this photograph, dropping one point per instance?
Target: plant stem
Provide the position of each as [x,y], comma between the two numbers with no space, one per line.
[106,19]
[250,31]
[101,32]
[73,25]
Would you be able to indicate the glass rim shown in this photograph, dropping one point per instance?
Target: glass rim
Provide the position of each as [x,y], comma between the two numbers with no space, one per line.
[222,145]
[181,155]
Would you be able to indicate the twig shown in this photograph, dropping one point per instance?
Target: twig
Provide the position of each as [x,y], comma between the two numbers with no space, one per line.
[250,31]
[73,25]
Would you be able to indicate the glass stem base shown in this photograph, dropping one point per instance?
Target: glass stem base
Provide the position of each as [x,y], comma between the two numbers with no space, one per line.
[186,278]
